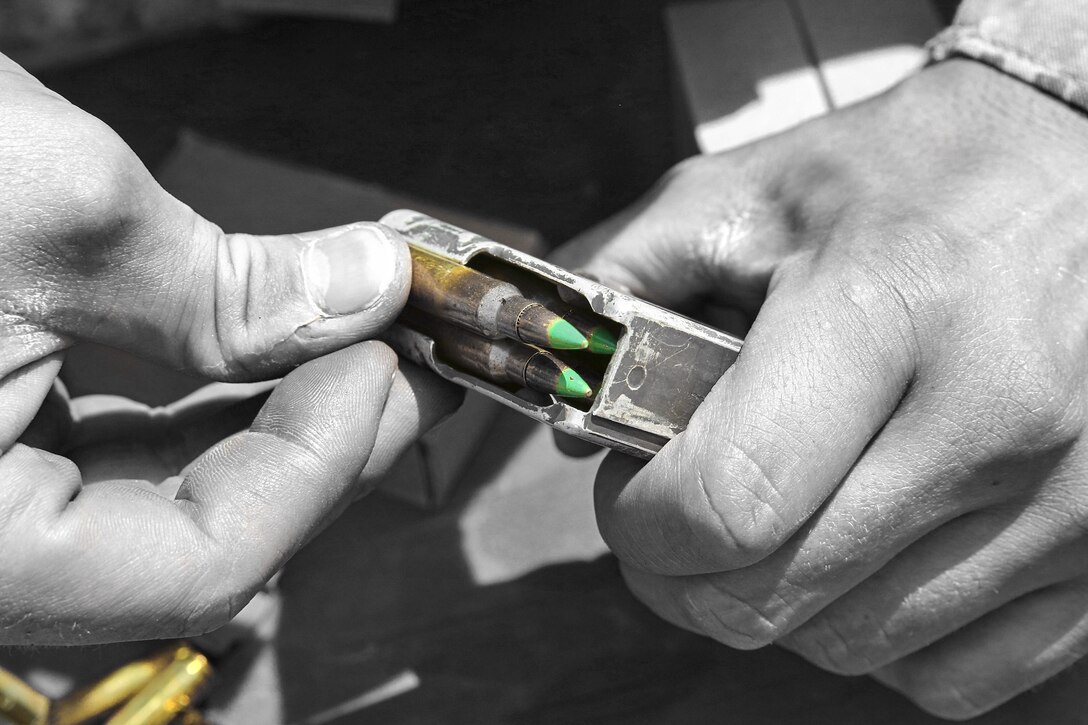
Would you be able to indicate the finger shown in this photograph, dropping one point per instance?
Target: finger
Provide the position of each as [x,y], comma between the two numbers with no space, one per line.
[823,368]
[115,561]
[118,438]
[237,306]
[998,657]
[418,401]
[294,426]
[51,428]
[940,457]
[568,445]
[917,477]
[31,382]
[950,578]
[953,576]
[680,243]
[98,251]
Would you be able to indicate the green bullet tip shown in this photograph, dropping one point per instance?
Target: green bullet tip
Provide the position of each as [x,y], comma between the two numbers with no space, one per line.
[571,385]
[602,341]
[564,336]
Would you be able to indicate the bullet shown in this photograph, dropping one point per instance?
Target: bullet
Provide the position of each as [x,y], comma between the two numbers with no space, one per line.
[504,362]
[601,340]
[537,325]
[112,690]
[20,703]
[569,384]
[485,305]
[600,334]
[169,693]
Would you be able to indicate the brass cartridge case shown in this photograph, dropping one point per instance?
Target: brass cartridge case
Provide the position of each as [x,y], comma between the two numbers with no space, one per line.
[20,703]
[169,693]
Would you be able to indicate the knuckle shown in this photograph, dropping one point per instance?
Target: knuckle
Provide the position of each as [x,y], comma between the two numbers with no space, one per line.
[894,287]
[217,595]
[832,647]
[729,618]
[940,690]
[1032,403]
[947,699]
[1051,404]
[81,196]
[697,173]
[911,279]
[96,183]
[740,492]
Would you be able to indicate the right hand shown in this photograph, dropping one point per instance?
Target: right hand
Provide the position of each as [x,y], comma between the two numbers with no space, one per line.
[92,249]
[892,478]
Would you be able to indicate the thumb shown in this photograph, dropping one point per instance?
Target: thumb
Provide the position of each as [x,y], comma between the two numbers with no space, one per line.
[94,249]
[263,304]
[170,286]
[239,306]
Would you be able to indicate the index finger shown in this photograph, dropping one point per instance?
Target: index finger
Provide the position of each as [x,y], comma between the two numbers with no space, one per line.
[115,561]
[679,243]
[823,368]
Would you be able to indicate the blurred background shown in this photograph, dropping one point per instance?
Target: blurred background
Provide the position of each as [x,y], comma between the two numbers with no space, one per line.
[549,114]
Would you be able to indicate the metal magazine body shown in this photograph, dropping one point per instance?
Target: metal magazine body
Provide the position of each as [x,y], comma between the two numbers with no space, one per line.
[663,367]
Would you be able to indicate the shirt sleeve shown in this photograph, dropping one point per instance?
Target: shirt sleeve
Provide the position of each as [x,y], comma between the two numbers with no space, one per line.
[1041,42]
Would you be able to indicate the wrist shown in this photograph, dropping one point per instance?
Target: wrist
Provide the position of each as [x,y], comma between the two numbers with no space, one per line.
[965,97]
[1040,42]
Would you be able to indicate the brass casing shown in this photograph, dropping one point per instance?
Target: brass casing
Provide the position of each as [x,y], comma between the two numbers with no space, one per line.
[112,690]
[168,693]
[20,703]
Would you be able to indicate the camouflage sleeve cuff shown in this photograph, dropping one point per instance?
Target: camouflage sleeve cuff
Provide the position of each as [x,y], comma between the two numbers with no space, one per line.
[1041,42]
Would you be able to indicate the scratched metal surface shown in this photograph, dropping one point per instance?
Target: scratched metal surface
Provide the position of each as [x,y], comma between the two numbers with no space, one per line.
[664,365]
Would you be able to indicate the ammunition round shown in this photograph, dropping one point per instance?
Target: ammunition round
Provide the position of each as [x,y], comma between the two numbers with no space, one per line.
[20,703]
[112,690]
[168,693]
[504,362]
[485,305]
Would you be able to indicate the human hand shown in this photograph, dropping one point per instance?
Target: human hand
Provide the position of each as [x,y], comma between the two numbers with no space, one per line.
[93,249]
[892,479]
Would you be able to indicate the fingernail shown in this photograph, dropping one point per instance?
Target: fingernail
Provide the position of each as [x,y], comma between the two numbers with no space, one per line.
[350,271]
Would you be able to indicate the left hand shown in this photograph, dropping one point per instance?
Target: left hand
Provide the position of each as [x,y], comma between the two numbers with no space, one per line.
[892,477]
[94,250]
